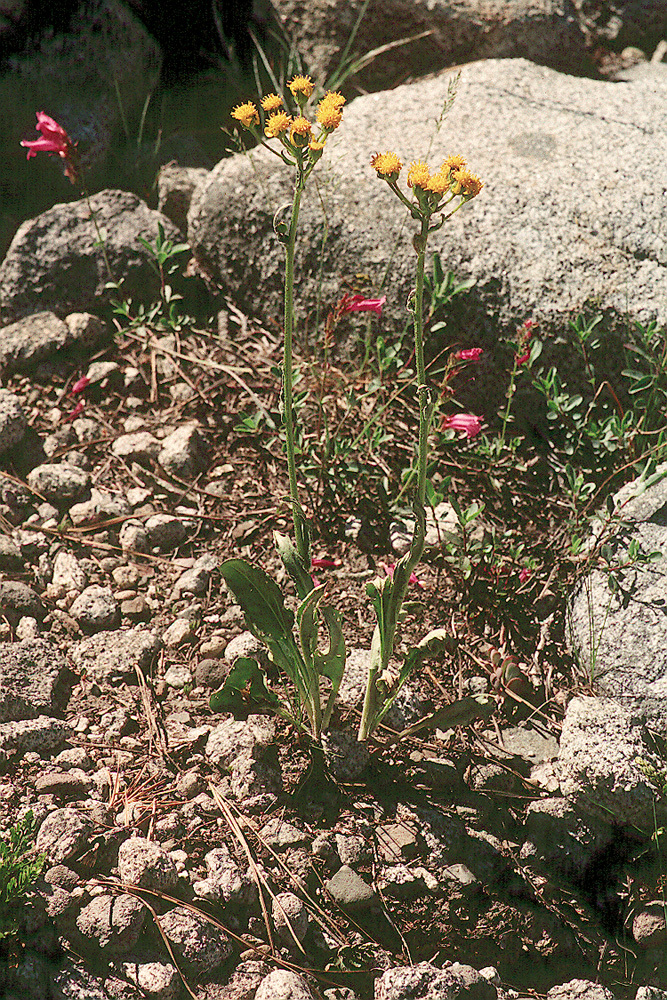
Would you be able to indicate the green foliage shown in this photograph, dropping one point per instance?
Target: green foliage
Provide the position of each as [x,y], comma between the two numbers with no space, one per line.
[19,868]
[303,663]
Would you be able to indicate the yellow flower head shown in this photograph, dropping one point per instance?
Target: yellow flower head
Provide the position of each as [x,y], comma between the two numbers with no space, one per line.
[271,103]
[452,163]
[277,124]
[418,175]
[470,183]
[315,147]
[438,183]
[246,114]
[387,165]
[466,184]
[330,111]
[301,85]
[300,131]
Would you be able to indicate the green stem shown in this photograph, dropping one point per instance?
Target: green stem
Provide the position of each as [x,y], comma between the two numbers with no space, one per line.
[393,594]
[300,528]
[506,414]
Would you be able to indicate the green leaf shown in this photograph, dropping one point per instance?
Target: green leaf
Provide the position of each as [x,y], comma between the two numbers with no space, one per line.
[260,599]
[245,692]
[306,617]
[291,560]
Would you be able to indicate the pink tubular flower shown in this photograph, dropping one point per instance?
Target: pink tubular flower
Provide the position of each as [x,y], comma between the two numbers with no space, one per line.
[469,354]
[357,303]
[79,386]
[75,412]
[522,358]
[389,570]
[54,139]
[469,423]
[524,575]
[323,563]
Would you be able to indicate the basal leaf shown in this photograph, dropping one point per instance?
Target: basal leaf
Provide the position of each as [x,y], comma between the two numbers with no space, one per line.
[245,691]
[259,597]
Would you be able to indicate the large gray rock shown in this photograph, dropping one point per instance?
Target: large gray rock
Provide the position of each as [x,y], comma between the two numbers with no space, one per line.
[24,344]
[552,33]
[426,982]
[33,679]
[281,984]
[620,639]
[607,766]
[546,32]
[113,656]
[553,152]
[48,251]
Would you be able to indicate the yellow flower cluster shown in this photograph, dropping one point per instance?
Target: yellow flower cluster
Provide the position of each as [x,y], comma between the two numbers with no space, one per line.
[452,177]
[295,133]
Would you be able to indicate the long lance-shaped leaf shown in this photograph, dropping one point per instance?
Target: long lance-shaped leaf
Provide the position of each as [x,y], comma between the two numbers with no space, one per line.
[262,603]
[259,597]
[332,663]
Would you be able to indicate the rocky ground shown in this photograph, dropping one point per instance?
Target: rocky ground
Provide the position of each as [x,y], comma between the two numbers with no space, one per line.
[187,853]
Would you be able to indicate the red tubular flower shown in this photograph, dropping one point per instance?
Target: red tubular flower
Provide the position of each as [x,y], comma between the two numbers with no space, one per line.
[323,563]
[469,423]
[79,386]
[524,575]
[54,139]
[389,570]
[357,303]
[469,354]
[522,358]
[75,412]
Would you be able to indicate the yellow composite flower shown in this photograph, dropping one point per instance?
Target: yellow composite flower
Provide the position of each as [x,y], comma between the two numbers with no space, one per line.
[386,164]
[271,103]
[438,183]
[301,85]
[466,184]
[300,127]
[418,174]
[452,163]
[330,111]
[314,146]
[246,114]
[276,124]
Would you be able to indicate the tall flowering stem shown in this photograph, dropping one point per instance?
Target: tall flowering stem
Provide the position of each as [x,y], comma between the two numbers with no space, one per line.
[301,145]
[300,525]
[438,194]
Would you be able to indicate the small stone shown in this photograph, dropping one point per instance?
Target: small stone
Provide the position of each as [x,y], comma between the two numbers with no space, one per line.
[280,835]
[136,609]
[156,980]
[146,864]
[59,483]
[67,785]
[18,600]
[211,673]
[68,575]
[397,841]
[200,946]
[290,917]
[346,758]
[178,676]
[10,554]
[95,609]
[140,447]
[13,421]
[133,537]
[112,922]
[64,834]
[165,531]
[349,890]
[281,984]
[183,452]
[214,647]
[178,633]
[649,928]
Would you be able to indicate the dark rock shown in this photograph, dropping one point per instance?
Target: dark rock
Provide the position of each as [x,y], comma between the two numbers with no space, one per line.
[48,252]
[349,890]
[34,678]
[13,421]
[18,600]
